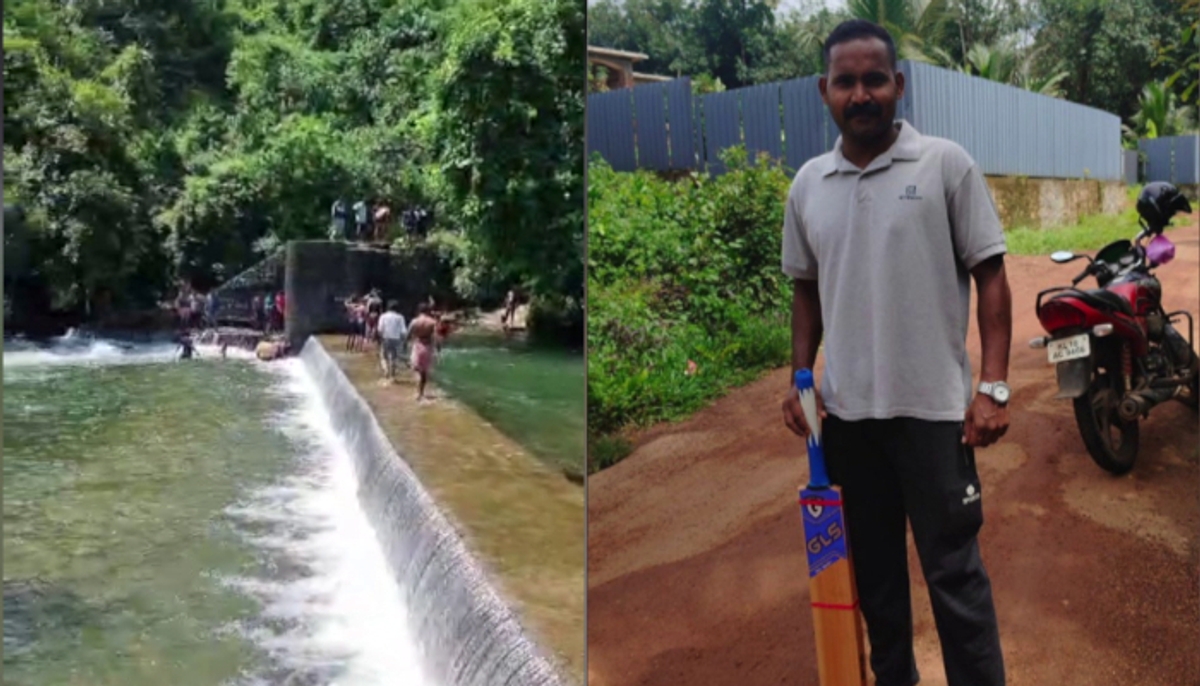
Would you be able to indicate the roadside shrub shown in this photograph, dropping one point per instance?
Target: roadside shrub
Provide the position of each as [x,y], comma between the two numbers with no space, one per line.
[685,294]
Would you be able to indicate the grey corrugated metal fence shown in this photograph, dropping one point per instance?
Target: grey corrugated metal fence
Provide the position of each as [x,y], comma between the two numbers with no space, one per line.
[648,127]
[1175,159]
[1008,130]
[1014,132]
[1131,163]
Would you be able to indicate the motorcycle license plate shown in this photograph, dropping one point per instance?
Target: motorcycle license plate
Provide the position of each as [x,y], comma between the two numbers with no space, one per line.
[1071,348]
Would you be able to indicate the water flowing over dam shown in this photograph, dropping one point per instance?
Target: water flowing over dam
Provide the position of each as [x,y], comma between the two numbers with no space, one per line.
[229,522]
[462,622]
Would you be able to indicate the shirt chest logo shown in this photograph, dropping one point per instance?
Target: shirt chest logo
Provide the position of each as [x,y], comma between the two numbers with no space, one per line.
[910,193]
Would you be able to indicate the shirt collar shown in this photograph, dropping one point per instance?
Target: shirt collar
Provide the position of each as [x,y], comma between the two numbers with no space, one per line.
[906,147]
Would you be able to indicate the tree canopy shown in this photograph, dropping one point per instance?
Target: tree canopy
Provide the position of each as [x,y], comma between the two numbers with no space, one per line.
[152,141]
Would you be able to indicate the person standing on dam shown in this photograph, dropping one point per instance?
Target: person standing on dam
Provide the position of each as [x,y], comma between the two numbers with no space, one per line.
[360,220]
[392,332]
[421,333]
[339,219]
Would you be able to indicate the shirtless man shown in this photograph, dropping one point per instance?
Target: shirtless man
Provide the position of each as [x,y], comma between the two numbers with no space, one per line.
[374,306]
[421,333]
[271,348]
[356,313]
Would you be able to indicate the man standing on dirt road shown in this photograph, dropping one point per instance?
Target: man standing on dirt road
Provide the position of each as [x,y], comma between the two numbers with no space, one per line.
[882,237]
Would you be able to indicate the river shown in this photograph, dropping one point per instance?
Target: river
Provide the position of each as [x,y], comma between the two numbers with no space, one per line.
[535,394]
[186,523]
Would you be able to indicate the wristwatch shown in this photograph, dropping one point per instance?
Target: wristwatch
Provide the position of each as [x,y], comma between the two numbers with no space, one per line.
[996,390]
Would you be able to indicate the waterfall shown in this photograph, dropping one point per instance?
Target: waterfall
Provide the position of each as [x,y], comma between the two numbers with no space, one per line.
[467,632]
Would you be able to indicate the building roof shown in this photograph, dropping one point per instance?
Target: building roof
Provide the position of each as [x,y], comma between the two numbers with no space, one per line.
[639,76]
[619,54]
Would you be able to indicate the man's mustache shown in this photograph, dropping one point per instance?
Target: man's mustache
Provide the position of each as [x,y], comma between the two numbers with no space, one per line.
[869,109]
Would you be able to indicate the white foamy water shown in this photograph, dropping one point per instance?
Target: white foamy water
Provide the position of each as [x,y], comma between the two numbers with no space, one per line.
[73,351]
[86,353]
[335,615]
[331,613]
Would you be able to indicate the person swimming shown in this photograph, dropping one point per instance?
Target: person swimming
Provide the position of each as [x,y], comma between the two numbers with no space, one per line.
[269,349]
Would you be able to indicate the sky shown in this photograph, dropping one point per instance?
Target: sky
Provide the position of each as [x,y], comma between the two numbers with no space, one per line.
[829,4]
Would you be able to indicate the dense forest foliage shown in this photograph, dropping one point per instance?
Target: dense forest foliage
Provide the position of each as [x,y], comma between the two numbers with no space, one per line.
[149,142]
[1139,59]
[685,295]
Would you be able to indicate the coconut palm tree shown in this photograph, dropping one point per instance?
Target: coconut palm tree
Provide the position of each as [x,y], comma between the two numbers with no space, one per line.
[1006,63]
[917,26]
[1160,114]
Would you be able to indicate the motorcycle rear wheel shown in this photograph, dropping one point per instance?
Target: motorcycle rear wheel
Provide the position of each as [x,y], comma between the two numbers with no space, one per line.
[1111,442]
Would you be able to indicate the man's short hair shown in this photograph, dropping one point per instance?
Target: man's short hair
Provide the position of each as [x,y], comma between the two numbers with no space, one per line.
[393,305]
[423,308]
[855,29]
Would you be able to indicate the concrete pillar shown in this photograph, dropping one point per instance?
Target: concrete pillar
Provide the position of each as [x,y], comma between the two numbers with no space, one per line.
[312,287]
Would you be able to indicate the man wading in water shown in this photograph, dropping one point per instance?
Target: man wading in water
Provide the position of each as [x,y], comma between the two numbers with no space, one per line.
[421,334]
[187,349]
[882,237]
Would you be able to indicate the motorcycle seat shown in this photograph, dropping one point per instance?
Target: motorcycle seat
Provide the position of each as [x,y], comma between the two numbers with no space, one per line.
[1102,299]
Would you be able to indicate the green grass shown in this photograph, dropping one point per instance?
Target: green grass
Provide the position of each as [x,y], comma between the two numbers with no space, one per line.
[606,450]
[1090,233]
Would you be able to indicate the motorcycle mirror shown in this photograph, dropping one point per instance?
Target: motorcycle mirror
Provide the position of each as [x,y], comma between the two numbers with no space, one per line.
[1063,256]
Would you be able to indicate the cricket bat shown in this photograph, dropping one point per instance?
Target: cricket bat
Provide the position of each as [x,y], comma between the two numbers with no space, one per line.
[837,622]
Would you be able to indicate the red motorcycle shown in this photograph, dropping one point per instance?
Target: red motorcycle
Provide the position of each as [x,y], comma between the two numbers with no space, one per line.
[1116,352]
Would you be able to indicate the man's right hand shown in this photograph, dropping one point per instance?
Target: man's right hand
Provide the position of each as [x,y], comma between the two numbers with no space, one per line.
[793,414]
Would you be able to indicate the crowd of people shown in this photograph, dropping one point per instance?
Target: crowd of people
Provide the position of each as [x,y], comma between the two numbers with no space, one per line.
[371,221]
[269,311]
[415,345]
[195,309]
[372,328]
[363,221]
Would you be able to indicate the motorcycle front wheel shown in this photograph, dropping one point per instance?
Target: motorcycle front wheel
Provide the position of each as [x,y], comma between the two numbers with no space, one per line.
[1111,441]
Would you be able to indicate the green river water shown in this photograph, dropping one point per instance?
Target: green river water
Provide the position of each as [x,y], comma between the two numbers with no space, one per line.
[179,523]
[535,394]
[196,523]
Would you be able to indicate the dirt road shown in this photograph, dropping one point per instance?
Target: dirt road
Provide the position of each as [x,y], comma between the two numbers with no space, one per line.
[697,575]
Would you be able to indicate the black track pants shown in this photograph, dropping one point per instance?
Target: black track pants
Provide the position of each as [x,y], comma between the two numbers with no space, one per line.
[896,468]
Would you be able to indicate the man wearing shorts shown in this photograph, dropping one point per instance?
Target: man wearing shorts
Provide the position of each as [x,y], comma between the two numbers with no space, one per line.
[882,237]
[356,313]
[421,334]
[374,305]
[392,332]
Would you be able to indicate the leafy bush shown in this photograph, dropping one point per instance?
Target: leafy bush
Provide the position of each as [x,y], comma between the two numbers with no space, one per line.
[685,293]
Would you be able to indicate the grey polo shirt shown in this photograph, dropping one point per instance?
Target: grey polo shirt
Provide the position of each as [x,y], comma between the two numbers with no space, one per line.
[890,248]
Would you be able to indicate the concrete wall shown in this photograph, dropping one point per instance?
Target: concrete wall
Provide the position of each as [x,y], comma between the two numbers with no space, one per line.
[320,275]
[1046,203]
[467,632]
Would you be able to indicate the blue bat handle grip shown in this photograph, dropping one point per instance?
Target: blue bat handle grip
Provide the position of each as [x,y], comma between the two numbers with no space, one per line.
[818,476]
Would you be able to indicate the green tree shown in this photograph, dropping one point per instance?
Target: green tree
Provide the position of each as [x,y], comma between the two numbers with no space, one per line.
[508,130]
[152,140]
[1182,54]
[1105,46]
